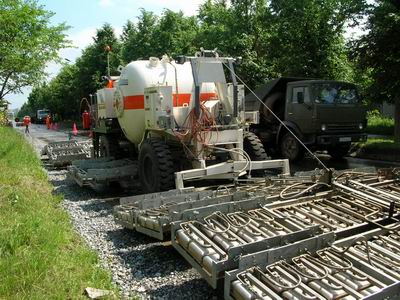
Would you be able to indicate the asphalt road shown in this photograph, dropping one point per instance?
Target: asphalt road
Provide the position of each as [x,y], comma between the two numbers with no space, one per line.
[41,136]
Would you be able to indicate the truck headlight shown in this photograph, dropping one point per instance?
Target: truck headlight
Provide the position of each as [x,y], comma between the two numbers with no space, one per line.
[323,127]
[361,126]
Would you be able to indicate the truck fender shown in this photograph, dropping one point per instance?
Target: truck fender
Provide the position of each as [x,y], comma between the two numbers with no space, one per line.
[292,126]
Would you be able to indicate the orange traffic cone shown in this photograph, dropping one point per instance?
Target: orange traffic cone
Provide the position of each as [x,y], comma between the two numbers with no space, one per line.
[74,130]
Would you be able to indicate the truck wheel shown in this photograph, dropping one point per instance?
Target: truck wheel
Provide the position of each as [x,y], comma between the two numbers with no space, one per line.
[291,148]
[253,147]
[108,147]
[339,152]
[156,168]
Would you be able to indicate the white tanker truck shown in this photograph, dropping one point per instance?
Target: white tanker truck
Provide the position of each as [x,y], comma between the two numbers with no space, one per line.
[177,121]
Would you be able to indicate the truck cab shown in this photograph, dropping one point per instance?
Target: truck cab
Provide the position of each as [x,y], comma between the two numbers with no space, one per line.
[323,114]
[41,116]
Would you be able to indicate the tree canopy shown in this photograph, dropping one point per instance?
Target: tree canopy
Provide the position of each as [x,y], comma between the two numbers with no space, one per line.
[378,56]
[303,38]
[27,43]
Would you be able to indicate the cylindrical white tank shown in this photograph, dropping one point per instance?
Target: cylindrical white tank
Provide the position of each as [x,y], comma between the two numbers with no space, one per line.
[138,75]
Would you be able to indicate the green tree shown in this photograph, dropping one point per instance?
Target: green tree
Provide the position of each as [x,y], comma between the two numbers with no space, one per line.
[237,28]
[92,65]
[174,34]
[27,43]
[281,38]
[379,56]
[62,96]
[139,42]
[308,37]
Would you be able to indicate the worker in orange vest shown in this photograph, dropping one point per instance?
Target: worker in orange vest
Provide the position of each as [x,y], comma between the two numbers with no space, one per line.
[27,122]
[48,121]
[86,120]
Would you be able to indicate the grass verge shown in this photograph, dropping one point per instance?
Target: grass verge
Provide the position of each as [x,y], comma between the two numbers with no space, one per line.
[41,257]
[378,148]
[380,125]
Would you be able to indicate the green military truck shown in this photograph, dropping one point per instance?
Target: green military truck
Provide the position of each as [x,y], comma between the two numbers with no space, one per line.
[324,115]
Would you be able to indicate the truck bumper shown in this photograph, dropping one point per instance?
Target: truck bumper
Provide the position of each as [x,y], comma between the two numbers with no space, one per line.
[340,139]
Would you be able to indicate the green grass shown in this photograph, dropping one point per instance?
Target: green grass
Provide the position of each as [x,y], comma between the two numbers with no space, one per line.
[378,124]
[379,143]
[378,148]
[41,257]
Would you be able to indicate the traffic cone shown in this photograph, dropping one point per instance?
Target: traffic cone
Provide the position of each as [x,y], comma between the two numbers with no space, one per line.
[74,130]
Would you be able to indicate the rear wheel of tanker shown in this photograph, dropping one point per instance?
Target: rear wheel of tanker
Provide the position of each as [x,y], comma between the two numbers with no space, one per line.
[291,148]
[156,168]
[339,151]
[255,149]
[108,146]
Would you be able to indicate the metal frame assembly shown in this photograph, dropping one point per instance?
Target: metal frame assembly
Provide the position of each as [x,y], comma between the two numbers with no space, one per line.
[101,171]
[365,266]
[152,214]
[61,154]
[315,235]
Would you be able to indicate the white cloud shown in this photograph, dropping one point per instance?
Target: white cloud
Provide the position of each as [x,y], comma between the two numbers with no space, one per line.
[106,3]
[83,38]
[80,40]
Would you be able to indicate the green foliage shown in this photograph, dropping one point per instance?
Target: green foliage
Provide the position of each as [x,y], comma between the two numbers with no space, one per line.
[308,37]
[301,38]
[378,56]
[379,149]
[170,34]
[63,94]
[378,124]
[40,255]
[27,43]
[378,52]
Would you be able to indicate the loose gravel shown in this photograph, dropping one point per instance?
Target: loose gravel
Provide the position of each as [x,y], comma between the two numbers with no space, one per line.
[141,267]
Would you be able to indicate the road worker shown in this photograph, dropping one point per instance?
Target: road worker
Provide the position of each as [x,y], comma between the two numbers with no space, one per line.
[48,122]
[27,122]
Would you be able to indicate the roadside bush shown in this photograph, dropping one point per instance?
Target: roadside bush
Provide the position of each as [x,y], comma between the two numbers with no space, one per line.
[378,124]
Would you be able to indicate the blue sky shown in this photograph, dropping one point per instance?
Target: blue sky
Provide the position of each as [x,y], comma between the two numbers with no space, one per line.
[84,16]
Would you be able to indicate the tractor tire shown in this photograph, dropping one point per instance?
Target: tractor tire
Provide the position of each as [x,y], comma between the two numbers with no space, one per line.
[108,146]
[291,148]
[339,152]
[253,147]
[156,168]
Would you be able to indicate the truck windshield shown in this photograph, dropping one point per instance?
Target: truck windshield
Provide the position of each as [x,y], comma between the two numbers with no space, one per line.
[43,113]
[335,94]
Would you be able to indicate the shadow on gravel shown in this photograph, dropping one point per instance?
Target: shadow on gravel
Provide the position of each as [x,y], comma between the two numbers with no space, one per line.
[123,239]
[193,289]
[148,255]
[103,208]
[148,261]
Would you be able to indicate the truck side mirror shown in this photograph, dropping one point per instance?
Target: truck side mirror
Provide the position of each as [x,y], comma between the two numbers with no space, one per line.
[300,97]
